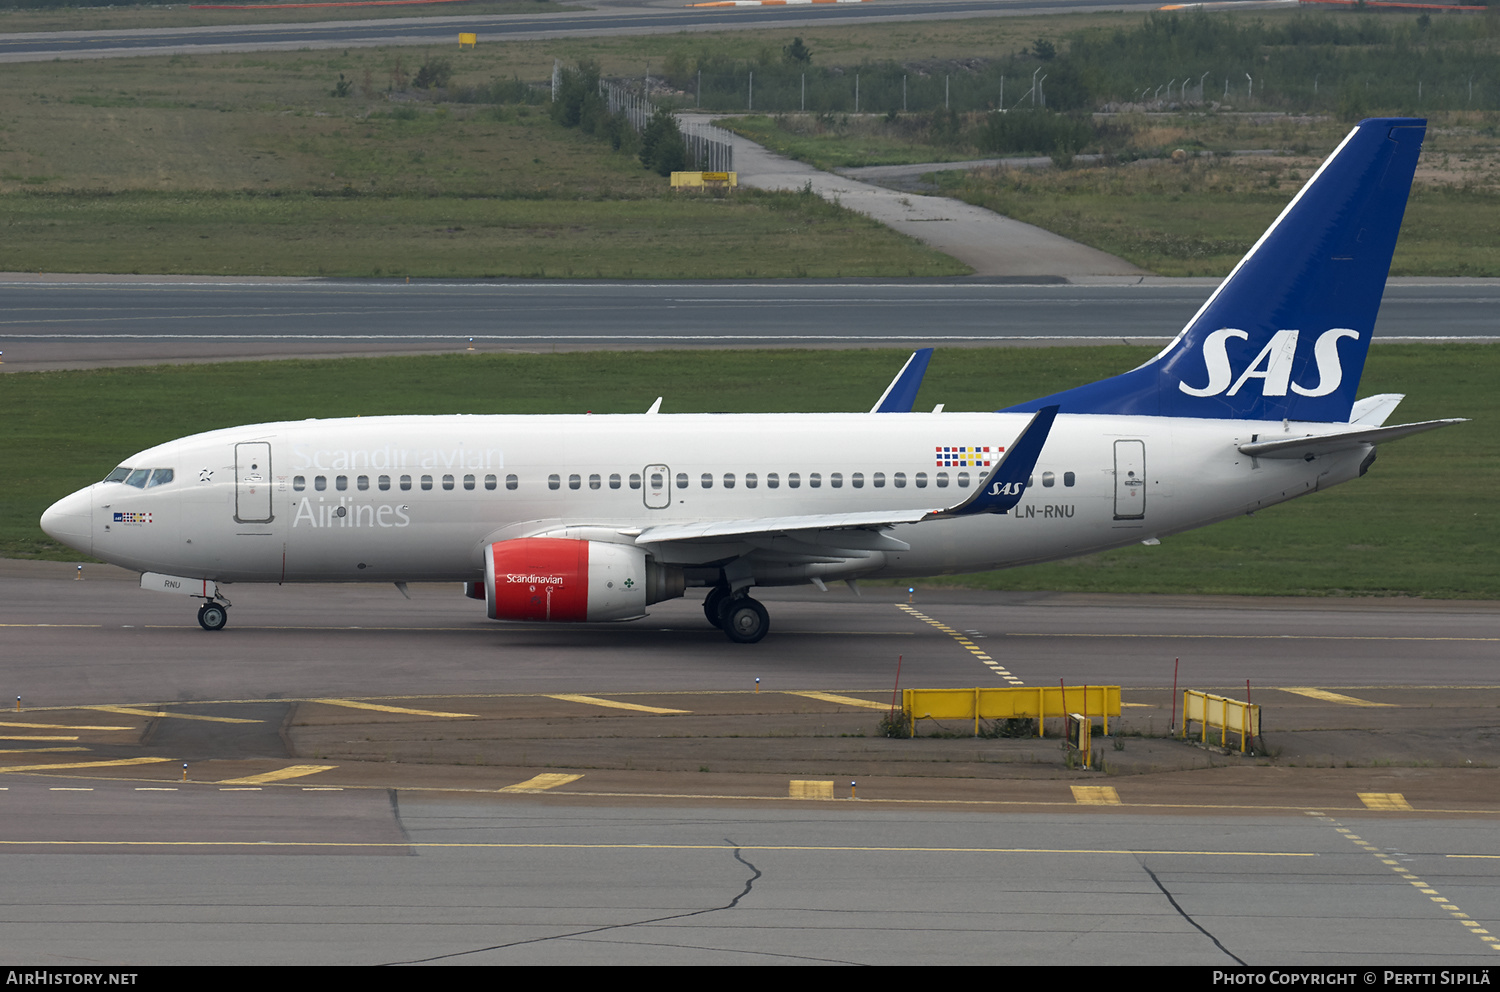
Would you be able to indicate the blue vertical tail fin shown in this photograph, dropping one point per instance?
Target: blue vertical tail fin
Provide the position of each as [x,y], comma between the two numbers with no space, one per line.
[1286,334]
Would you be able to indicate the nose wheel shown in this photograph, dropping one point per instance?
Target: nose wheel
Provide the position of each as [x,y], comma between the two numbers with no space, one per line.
[213,616]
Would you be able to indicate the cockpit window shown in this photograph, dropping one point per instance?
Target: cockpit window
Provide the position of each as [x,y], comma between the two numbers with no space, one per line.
[159,477]
[118,475]
[138,478]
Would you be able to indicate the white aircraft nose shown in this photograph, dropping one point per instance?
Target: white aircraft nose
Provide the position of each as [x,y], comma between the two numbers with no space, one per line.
[71,521]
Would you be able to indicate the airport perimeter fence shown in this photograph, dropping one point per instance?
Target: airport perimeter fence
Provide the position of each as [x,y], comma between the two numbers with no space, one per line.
[1293,86]
[708,148]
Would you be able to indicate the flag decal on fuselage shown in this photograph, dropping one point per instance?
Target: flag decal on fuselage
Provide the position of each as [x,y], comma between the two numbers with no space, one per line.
[968,456]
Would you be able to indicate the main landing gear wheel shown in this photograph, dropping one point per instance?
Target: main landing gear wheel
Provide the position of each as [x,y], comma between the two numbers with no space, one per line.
[213,616]
[745,620]
[713,606]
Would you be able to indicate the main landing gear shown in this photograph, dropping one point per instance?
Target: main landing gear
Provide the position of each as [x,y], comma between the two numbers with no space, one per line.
[742,619]
[213,616]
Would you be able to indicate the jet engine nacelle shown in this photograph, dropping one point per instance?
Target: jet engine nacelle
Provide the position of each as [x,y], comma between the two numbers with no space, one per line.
[567,580]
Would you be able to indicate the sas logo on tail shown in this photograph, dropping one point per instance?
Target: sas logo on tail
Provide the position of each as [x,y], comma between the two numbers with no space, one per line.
[1273,366]
[1007,489]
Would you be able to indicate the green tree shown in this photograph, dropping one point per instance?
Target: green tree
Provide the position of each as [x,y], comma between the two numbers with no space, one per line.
[662,148]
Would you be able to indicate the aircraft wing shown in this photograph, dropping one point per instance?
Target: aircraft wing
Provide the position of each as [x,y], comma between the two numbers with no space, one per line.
[1313,445]
[998,492]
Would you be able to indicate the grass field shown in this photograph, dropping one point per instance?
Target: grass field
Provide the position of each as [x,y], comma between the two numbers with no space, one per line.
[250,163]
[115,18]
[247,164]
[756,235]
[1198,218]
[1420,524]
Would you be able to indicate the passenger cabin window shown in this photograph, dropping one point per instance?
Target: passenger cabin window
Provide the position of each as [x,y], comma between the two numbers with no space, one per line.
[299,483]
[921,480]
[491,482]
[362,483]
[341,482]
[614,480]
[899,480]
[750,480]
[728,480]
[635,480]
[511,482]
[469,482]
[836,480]
[773,481]
[448,482]
[426,482]
[320,482]
[1069,478]
[383,483]
[878,480]
[1049,480]
[793,480]
[405,482]
[963,480]
[682,480]
[707,481]
[857,480]
[942,480]
[814,480]
[595,482]
[575,482]
[554,481]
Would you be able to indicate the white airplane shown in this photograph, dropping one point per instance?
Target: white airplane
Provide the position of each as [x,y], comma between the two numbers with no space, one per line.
[590,518]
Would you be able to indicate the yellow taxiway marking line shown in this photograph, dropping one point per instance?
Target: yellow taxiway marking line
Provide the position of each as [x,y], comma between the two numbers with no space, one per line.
[537,783]
[132,711]
[38,750]
[799,789]
[480,845]
[1263,637]
[118,763]
[380,708]
[56,726]
[43,737]
[1384,800]
[1331,697]
[829,697]
[291,771]
[1095,795]
[570,697]
[967,644]
[1421,886]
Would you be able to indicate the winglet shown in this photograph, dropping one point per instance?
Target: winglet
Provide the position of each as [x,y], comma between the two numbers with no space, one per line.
[1003,488]
[901,394]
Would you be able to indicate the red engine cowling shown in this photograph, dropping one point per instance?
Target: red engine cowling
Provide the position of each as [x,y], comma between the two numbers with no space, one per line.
[567,580]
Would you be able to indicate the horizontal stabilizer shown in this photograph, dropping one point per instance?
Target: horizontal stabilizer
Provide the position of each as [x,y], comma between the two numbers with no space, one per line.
[1313,445]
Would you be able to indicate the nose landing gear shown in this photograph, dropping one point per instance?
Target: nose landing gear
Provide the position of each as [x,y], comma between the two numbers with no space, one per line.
[213,616]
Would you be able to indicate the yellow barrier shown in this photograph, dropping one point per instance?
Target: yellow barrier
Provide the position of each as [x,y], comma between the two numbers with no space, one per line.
[1010,703]
[1224,713]
[696,180]
[465,38]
